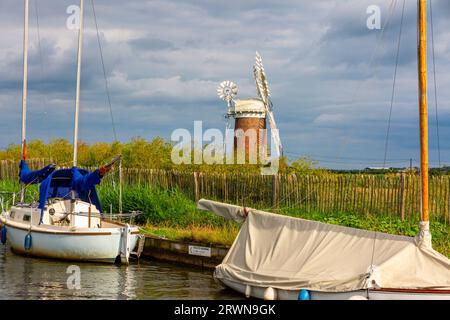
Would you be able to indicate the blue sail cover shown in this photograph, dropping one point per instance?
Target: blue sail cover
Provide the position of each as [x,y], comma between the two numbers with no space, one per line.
[32,177]
[60,183]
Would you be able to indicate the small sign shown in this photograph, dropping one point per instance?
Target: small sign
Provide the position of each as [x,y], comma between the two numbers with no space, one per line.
[200,251]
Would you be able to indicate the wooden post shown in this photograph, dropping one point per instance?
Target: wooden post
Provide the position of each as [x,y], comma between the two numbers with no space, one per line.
[441,197]
[120,186]
[355,193]
[89,217]
[372,193]
[402,196]
[275,191]
[362,198]
[196,187]
[448,197]
[225,187]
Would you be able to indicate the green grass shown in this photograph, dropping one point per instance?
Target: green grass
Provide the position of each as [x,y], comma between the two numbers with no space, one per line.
[13,186]
[223,235]
[168,208]
[171,214]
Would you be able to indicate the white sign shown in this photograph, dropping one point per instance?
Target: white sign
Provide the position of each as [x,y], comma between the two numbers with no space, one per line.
[200,251]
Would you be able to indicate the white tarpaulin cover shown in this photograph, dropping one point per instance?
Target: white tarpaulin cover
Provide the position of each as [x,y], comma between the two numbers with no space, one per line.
[290,253]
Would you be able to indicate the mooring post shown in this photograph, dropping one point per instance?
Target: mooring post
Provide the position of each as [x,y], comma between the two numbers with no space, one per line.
[275,190]
[196,187]
[402,196]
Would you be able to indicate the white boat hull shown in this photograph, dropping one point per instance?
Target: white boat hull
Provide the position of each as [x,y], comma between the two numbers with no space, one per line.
[260,293]
[101,246]
[86,239]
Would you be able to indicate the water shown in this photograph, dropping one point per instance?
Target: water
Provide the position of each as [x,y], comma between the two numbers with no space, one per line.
[30,278]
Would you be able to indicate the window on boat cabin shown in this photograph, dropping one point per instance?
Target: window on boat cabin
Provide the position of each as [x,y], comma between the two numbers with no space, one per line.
[26,217]
[13,213]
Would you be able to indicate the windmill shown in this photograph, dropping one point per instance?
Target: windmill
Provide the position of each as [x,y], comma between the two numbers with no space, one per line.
[252,113]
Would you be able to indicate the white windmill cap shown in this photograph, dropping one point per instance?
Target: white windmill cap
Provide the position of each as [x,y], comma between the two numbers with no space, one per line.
[249,107]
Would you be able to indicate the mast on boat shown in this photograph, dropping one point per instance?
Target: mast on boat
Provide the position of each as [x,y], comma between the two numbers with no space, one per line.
[423,112]
[77,97]
[24,93]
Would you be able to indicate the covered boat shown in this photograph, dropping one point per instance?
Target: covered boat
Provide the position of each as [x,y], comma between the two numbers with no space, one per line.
[70,183]
[276,256]
[280,257]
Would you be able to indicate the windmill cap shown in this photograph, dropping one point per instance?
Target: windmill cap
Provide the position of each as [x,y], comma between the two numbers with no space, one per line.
[246,106]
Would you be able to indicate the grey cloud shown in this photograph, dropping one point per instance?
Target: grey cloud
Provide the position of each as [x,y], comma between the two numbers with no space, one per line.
[164,59]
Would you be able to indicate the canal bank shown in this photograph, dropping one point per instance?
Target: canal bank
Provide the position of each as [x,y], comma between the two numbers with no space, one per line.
[196,254]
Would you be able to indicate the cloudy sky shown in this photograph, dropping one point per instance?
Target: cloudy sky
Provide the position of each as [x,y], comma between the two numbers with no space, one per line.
[331,77]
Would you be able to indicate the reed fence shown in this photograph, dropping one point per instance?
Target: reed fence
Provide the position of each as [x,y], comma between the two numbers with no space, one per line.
[397,195]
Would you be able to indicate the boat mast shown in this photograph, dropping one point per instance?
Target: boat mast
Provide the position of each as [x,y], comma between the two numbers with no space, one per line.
[24,93]
[423,112]
[77,98]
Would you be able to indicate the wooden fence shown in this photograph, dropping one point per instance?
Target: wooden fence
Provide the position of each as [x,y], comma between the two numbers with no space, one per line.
[397,195]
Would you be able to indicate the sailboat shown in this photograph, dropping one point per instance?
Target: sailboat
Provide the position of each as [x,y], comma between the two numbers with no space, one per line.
[280,257]
[67,223]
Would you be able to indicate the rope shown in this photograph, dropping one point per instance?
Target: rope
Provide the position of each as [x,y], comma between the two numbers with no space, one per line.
[435,86]
[373,253]
[393,85]
[104,73]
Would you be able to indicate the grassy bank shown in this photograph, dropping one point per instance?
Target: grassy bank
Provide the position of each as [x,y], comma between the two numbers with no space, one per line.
[171,214]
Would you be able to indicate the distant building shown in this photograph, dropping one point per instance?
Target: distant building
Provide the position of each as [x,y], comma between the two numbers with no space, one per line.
[377,168]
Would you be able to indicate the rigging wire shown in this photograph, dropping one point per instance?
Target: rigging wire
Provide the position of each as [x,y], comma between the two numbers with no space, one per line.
[41,60]
[435,86]
[393,84]
[109,103]
[104,73]
[38,32]
[378,46]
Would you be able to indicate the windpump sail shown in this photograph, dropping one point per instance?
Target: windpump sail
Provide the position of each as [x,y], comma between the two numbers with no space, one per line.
[289,253]
[61,183]
[27,176]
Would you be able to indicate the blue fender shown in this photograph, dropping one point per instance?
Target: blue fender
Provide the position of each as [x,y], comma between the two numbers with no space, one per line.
[304,295]
[28,242]
[3,235]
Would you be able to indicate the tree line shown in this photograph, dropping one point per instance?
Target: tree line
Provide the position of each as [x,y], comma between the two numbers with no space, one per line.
[140,153]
